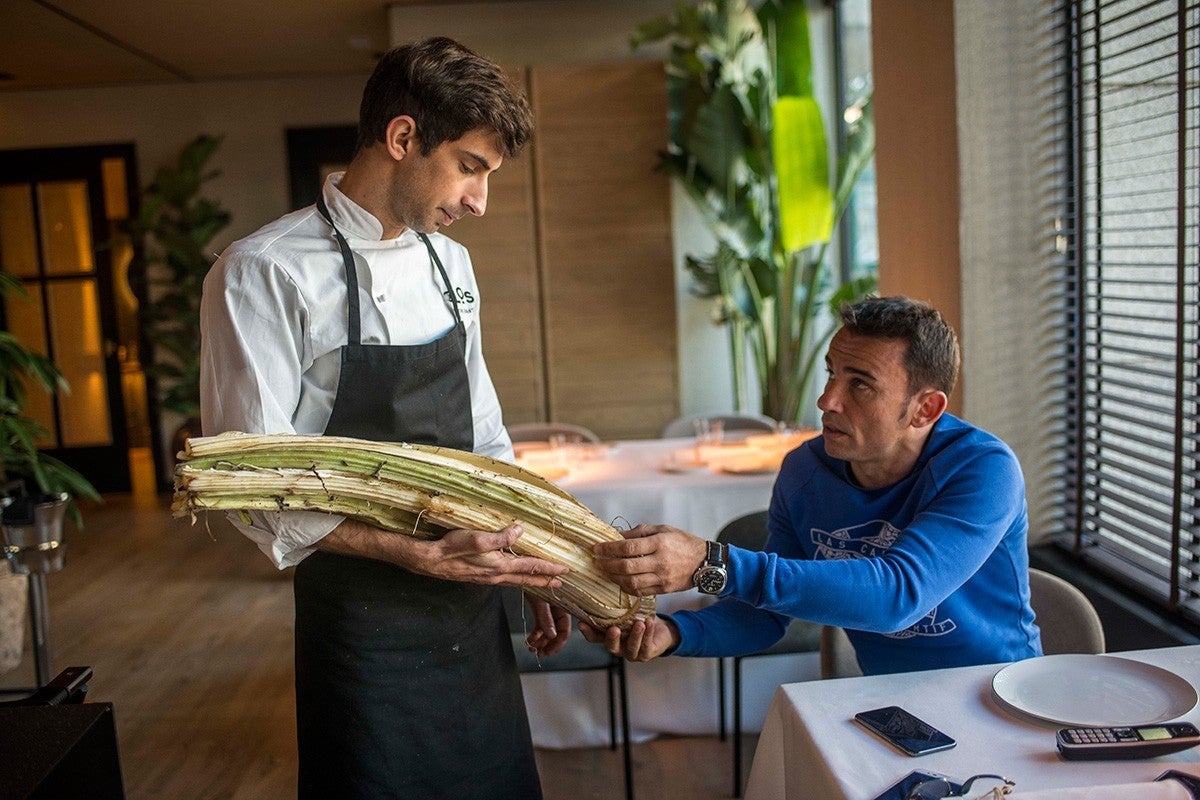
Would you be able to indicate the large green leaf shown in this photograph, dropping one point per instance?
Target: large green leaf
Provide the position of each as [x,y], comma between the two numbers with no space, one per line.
[802,172]
[717,139]
[785,28]
[851,291]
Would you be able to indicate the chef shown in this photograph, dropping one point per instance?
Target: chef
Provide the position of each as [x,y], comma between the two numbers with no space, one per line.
[358,317]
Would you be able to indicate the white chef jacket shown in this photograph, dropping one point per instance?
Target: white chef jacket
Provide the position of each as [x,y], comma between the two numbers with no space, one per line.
[273,322]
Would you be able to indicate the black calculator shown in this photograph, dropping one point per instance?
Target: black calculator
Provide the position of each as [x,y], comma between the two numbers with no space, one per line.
[1139,741]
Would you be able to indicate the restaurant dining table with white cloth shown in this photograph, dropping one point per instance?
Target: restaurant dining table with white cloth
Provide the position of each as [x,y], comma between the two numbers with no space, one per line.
[811,749]
[625,483]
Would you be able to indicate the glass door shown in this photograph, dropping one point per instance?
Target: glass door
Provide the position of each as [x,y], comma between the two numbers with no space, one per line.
[60,216]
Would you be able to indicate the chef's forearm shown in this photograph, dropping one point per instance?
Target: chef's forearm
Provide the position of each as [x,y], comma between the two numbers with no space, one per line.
[354,538]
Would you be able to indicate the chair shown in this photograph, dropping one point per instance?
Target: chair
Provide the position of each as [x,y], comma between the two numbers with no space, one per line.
[837,654]
[1067,618]
[56,745]
[685,426]
[749,532]
[579,654]
[542,431]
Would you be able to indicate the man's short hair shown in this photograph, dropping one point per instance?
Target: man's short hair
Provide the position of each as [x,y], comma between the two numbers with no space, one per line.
[449,91]
[931,357]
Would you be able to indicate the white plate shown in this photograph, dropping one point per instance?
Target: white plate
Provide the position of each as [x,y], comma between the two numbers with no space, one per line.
[1076,689]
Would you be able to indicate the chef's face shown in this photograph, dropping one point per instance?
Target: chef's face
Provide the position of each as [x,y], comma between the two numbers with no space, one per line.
[432,190]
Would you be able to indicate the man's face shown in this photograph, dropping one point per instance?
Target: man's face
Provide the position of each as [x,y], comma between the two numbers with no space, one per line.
[429,192]
[866,407]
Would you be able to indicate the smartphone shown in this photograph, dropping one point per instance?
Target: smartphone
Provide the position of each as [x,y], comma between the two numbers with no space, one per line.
[900,789]
[903,731]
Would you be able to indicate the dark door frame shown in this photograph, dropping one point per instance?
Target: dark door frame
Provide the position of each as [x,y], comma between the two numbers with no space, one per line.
[308,149]
[73,162]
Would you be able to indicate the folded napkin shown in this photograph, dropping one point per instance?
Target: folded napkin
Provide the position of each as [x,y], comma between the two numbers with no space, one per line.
[1156,790]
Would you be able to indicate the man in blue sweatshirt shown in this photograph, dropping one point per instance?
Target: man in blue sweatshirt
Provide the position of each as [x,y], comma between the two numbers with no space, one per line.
[900,523]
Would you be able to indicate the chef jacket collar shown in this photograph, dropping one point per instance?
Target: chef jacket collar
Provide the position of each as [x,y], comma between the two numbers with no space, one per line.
[355,222]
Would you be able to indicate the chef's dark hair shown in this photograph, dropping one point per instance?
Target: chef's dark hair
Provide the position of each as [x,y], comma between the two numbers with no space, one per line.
[932,357]
[448,90]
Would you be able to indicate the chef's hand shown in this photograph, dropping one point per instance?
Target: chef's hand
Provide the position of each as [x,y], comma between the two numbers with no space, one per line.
[652,559]
[645,639]
[487,558]
[551,628]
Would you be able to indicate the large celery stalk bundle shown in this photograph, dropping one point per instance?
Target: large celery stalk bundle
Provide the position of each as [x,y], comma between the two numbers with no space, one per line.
[411,489]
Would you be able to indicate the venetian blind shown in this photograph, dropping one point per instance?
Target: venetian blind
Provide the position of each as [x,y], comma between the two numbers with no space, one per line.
[1131,283]
[1012,89]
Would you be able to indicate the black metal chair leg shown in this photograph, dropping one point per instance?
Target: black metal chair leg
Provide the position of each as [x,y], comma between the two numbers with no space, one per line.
[737,727]
[612,707]
[721,695]
[628,755]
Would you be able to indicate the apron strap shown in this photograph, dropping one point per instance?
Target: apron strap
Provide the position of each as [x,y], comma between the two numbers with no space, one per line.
[445,278]
[353,326]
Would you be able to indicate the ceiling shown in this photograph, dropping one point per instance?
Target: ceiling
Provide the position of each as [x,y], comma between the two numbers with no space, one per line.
[63,43]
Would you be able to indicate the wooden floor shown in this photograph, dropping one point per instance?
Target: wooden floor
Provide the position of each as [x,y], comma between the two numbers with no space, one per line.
[189,632]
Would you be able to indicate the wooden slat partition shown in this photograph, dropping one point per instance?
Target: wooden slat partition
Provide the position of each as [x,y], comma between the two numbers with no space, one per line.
[503,250]
[603,216]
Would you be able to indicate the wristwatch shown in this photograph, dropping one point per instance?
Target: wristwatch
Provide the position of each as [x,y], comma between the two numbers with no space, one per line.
[711,576]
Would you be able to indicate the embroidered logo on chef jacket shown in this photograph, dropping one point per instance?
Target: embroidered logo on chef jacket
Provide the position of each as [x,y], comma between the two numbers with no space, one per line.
[870,540]
[465,299]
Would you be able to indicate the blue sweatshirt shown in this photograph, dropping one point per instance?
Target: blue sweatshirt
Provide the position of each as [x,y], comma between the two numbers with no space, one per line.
[929,572]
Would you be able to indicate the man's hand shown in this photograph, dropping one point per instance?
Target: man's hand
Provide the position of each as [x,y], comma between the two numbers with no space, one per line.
[462,555]
[644,640]
[551,628]
[653,559]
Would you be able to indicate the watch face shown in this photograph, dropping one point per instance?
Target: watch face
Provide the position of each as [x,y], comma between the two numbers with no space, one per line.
[710,579]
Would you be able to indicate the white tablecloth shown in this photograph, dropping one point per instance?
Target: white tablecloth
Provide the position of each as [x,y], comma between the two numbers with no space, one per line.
[627,486]
[811,748]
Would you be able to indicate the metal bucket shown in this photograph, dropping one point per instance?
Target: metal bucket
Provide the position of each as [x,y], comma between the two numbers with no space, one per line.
[33,533]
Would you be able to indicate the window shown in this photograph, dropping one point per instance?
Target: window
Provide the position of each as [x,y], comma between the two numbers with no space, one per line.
[858,236]
[1129,237]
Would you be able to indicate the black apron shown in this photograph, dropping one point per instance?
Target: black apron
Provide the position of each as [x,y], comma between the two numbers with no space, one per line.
[406,686]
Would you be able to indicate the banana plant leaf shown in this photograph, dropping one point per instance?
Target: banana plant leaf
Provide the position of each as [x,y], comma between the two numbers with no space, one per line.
[785,29]
[802,171]
[798,146]
[716,141]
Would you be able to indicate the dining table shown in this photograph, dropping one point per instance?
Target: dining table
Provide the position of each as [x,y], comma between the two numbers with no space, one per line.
[699,487]
[1003,717]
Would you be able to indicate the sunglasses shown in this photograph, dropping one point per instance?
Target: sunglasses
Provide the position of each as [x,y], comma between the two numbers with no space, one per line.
[993,788]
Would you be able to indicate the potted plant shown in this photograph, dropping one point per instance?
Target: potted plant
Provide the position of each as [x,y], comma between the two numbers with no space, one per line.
[176,225]
[36,489]
[24,469]
[747,142]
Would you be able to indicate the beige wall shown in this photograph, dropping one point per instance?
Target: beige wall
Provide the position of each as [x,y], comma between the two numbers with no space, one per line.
[917,155]
[161,119]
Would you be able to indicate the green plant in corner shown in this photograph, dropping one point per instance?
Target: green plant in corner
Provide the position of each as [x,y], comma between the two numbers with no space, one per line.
[20,459]
[178,224]
[747,142]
